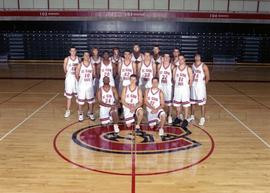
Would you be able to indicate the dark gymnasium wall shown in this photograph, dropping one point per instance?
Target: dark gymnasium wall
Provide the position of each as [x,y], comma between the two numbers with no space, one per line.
[41,40]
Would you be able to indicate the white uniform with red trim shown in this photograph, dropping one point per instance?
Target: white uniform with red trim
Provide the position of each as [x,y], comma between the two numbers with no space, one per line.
[181,88]
[86,85]
[165,82]
[157,60]
[137,58]
[125,73]
[118,59]
[153,98]
[107,97]
[198,88]
[71,82]
[146,75]
[132,98]
[106,70]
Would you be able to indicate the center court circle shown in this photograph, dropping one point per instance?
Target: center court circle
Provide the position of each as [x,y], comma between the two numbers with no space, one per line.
[102,139]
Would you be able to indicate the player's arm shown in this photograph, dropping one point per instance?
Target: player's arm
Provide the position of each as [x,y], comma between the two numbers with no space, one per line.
[162,101]
[115,70]
[98,70]
[134,68]
[154,69]
[65,65]
[158,69]
[147,104]
[77,73]
[206,72]
[94,71]
[119,69]
[123,96]
[139,70]
[190,74]
[116,97]
[174,72]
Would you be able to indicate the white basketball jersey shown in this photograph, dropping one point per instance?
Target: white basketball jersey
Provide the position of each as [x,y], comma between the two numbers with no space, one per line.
[181,77]
[153,98]
[95,61]
[116,59]
[198,75]
[136,58]
[86,75]
[132,97]
[165,75]
[126,72]
[157,60]
[107,97]
[71,66]
[106,70]
[147,71]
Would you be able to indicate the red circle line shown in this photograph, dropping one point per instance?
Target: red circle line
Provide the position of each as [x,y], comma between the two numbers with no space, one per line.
[130,174]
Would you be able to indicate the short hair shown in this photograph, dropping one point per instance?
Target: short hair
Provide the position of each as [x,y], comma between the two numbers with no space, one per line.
[197,54]
[147,52]
[106,51]
[156,46]
[133,76]
[94,48]
[176,49]
[155,78]
[166,54]
[72,47]
[115,48]
[136,44]
[127,51]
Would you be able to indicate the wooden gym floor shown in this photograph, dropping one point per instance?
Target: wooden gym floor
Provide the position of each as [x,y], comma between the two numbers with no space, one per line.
[38,154]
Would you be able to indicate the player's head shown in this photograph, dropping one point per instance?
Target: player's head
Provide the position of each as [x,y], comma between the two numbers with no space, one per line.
[133,79]
[166,57]
[127,54]
[147,55]
[95,51]
[156,49]
[115,51]
[72,51]
[155,82]
[86,56]
[106,80]
[197,57]
[136,48]
[106,55]
[182,59]
[176,52]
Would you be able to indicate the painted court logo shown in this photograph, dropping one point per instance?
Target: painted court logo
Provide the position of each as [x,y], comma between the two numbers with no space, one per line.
[102,138]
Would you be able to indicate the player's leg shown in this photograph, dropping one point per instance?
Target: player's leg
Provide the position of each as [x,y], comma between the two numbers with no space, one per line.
[202,102]
[90,100]
[68,94]
[115,119]
[162,118]
[128,116]
[139,117]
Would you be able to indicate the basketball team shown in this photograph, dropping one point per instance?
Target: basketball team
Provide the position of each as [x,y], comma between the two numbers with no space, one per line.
[126,86]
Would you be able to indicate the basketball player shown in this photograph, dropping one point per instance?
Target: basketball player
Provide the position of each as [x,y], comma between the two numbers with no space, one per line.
[176,54]
[156,55]
[96,61]
[70,64]
[154,102]
[125,70]
[108,102]
[85,73]
[201,77]
[106,69]
[146,71]
[165,74]
[132,100]
[116,60]
[137,56]
[182,76]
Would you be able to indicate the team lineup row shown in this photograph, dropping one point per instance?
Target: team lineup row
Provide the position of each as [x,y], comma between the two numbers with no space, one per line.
[123,85]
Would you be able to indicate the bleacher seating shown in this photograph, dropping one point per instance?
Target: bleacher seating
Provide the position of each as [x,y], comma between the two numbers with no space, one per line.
[40,45]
